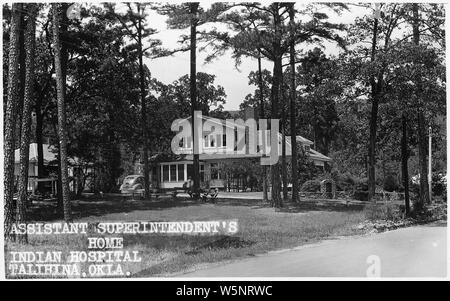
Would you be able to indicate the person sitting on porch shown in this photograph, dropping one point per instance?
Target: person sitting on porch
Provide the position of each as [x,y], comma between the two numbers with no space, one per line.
[187,186]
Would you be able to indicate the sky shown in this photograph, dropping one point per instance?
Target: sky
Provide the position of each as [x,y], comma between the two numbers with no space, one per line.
[234,81]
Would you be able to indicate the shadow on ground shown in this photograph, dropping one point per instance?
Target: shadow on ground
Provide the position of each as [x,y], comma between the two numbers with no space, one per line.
[302,206]
[96,206]
[224,242]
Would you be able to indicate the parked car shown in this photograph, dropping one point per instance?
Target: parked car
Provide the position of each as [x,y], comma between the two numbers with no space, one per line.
[132,183]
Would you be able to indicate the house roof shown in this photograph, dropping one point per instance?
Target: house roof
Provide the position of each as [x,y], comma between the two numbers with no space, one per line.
[300,139]
[313,154]
[49,155]
[48,150]
[206,118]
[318,156]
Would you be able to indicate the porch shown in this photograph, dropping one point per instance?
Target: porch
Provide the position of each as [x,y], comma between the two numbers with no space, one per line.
[175,174]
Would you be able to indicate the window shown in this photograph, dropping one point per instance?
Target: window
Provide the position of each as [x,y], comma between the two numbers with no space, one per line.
[210,141]
[181,143]
[165,173]
[173,173]
[224,140]
[219,141]
[215,171]
[202,172]
[180,172]
[190,171]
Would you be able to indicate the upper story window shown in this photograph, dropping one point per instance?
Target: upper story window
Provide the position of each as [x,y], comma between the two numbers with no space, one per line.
[206,140]
[211,141]
[185,142]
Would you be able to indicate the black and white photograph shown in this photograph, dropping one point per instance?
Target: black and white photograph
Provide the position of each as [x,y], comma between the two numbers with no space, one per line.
[224,141]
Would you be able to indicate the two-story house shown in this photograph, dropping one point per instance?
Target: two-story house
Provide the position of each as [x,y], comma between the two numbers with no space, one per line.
[214,151]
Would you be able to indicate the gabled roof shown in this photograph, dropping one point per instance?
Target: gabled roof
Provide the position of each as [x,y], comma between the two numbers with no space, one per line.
[313,154]
[204,118]
[300,139]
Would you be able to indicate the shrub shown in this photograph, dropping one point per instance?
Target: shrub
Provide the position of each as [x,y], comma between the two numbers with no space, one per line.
[439,184]
[361,195]
[390,183]
[311,186]
[345,182]
[362,184]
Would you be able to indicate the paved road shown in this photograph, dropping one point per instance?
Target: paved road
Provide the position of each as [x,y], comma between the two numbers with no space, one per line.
[410,252]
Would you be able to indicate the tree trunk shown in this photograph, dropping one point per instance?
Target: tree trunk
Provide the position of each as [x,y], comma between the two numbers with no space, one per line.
[193,95]
[373,120]
[19,108]
[59,197]
[293,112]
[10,119]
[62,133]
[283,142]
[326,146]
[64,25]
[143,111]
[64,59]
[372,145]
[275,94]
[26,118]
[262,116]
[405,173]
[424,191]
[422,133]
[39,142]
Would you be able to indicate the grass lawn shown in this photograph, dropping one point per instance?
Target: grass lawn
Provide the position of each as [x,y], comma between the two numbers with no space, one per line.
[261,229]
